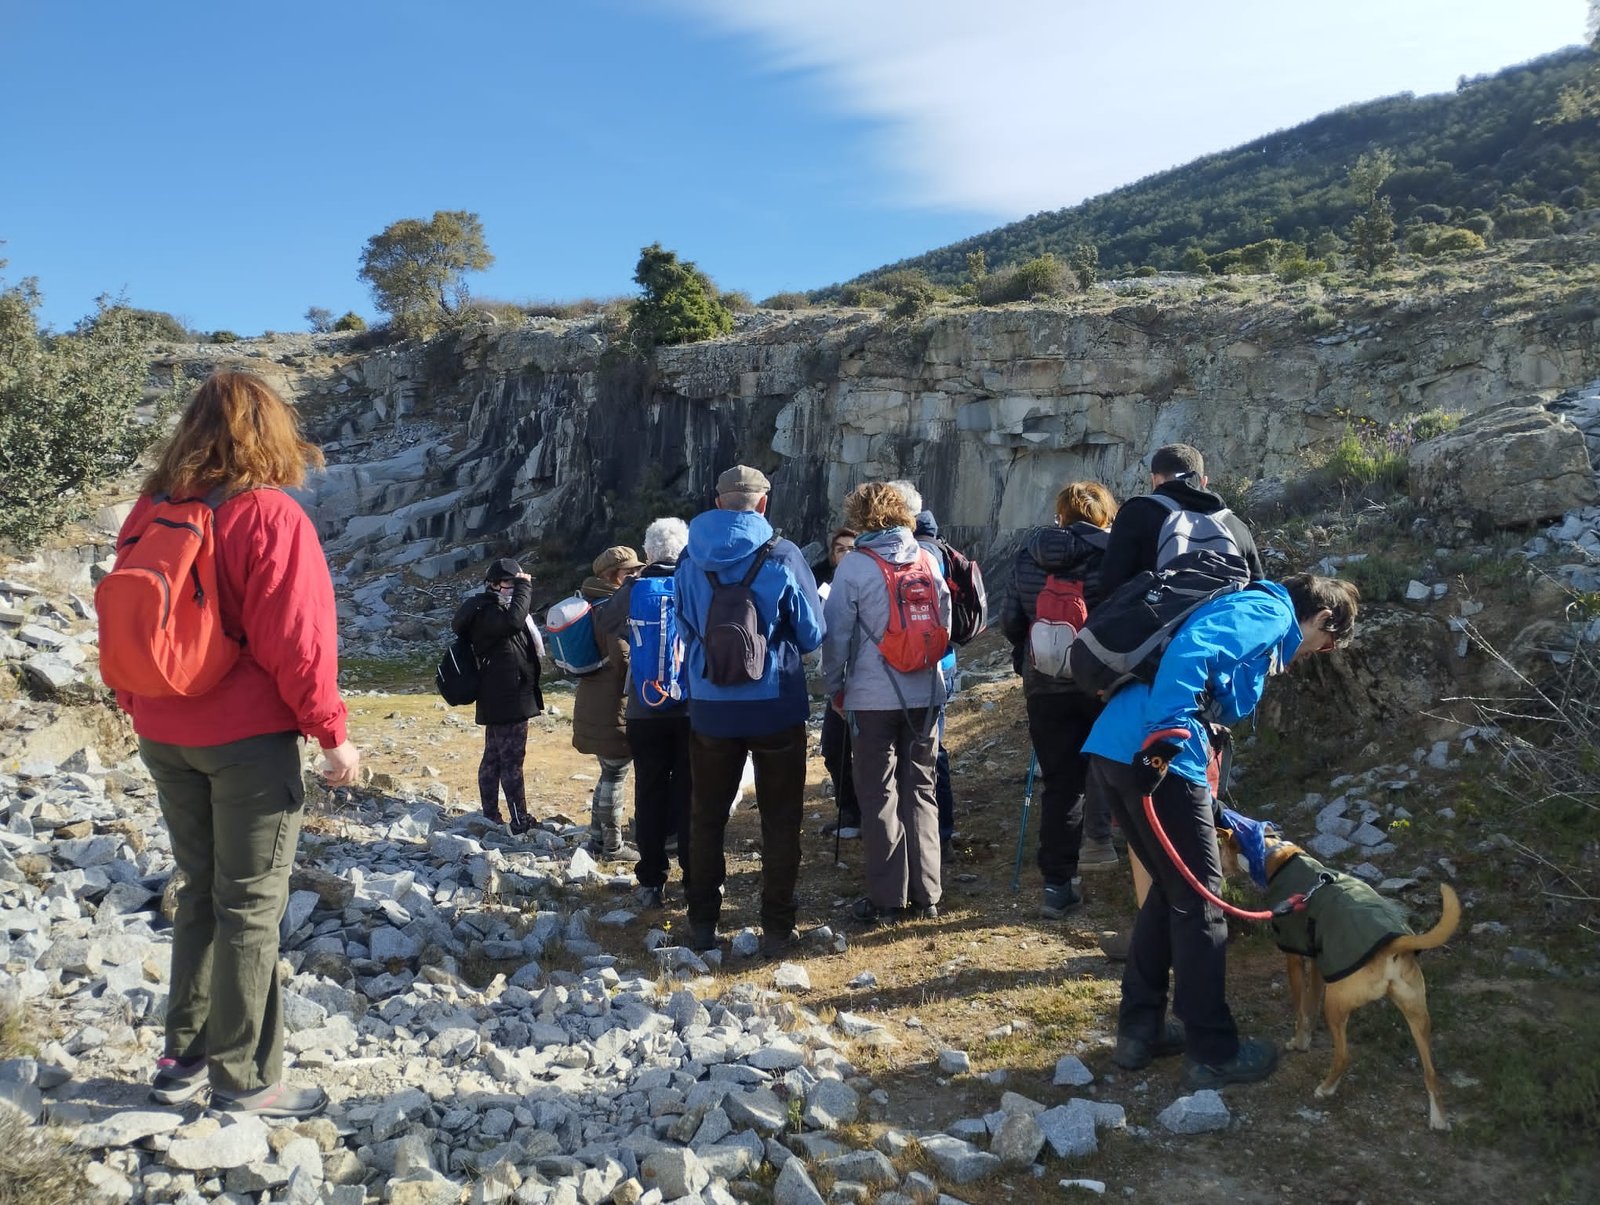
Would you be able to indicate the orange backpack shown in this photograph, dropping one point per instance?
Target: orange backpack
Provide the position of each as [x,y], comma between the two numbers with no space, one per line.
[160,618]
[914,639]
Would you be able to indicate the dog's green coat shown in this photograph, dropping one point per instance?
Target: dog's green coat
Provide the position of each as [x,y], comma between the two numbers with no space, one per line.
[1345,921]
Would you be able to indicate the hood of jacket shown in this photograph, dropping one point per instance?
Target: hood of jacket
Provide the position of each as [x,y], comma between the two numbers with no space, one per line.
[927,527]
[894,544]
[721,539]
[1065,550]
[596,588]
[1191,497]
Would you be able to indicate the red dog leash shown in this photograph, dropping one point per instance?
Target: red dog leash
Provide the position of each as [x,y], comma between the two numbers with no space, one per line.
[1295,903]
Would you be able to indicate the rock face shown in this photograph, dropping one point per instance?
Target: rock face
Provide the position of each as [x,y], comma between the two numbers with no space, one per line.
[502,440]
[1514,464]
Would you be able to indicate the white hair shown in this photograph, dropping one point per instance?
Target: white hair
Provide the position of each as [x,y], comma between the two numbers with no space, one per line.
[665,540]
[910,493]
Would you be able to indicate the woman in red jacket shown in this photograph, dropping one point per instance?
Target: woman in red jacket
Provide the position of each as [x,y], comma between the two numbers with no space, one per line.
[226,763]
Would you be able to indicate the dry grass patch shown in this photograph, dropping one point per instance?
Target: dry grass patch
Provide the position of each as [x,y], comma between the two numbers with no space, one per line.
[37,1167]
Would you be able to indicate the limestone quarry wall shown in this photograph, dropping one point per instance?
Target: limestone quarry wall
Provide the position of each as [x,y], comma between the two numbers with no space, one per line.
[539,438]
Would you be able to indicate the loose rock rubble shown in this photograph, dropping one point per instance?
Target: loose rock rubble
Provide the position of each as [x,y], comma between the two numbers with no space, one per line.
[477,1039]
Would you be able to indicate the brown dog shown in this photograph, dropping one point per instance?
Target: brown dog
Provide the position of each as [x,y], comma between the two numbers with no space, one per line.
[1349,946]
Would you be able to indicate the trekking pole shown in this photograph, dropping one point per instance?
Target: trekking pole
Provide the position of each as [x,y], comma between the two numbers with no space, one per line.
[838,791]
[1022,829]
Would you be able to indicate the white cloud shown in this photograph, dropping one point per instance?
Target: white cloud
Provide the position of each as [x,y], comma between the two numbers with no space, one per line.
[1012,106]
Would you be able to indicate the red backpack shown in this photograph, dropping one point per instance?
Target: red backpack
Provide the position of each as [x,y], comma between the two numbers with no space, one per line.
[160,618]
[1059,615]
[914,639]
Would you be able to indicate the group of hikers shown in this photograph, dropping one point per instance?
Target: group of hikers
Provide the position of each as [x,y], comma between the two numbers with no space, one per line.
[695,669]
[700,665]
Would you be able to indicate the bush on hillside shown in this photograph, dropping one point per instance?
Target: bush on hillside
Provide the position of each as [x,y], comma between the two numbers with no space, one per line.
[1041,277]
[1431,241]
[788,300]
[679,303]
[350,321]
[148,325]
[418,269]
[68,410]
[224,337]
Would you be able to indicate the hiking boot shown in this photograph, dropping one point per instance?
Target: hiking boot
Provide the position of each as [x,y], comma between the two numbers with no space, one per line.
[923,912]
[652,897]
[178,1080]
[870,914]
[521,825]
[1135,1054]
[702,938]
[1256,1060]
[494,817]
[775,943]
[1097,855]
[1059,899]
[621,852]
[1115,943]
[279,1100]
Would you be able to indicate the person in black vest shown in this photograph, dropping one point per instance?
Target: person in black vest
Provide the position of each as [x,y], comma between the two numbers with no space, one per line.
[1059,713]
[1178,472]
[496,622]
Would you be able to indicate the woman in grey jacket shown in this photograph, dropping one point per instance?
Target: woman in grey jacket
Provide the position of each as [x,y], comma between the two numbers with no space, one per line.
[893,716]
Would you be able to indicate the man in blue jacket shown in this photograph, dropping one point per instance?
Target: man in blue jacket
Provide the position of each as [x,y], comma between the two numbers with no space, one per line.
[1152,741]
[759,710]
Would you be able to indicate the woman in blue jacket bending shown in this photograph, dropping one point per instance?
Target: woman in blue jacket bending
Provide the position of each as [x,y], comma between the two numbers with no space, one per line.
[1213,672]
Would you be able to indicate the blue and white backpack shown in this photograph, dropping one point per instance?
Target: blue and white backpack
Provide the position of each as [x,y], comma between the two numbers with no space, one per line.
[573,646]
[655,652]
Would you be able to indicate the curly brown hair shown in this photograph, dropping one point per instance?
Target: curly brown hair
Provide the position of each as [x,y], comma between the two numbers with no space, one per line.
[877,506]
[235,434]
[1085,501]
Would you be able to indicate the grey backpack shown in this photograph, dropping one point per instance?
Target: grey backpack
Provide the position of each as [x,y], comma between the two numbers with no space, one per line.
[1186,532]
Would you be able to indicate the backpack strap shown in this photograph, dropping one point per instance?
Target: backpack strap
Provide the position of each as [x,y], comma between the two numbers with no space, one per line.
[759,560]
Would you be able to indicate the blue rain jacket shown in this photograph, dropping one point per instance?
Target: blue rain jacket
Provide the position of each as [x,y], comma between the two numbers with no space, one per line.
[724,541]
[1214,670]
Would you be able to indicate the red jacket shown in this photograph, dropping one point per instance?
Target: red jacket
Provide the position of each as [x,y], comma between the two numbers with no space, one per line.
[276,596]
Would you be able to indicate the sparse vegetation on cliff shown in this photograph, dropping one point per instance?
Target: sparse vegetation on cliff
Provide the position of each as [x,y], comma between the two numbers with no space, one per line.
[679,303]
[418,270]
[68,409]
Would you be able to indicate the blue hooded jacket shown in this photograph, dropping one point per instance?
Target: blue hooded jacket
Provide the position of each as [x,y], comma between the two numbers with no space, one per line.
[723,542]
[1214,670]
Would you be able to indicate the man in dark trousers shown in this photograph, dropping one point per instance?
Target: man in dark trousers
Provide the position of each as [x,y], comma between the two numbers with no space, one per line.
[1177,472]
[760,715]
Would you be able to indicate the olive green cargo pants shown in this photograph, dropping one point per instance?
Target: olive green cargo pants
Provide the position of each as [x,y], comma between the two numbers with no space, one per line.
[234,814]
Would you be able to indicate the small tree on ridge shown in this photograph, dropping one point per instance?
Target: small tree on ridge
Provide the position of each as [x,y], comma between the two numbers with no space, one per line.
[418,269]
[679,304]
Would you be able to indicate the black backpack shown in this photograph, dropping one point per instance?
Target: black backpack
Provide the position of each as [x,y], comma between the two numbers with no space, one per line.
[1127,633]
[735,638]
[457,675]
[969,602]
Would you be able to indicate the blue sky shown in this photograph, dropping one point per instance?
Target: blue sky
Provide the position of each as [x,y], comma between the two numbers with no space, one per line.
[226,162]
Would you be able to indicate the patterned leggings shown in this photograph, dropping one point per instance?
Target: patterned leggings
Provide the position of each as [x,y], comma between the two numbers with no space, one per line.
[504,747]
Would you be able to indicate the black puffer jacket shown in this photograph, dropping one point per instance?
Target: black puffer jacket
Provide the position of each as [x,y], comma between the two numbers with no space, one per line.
[1073,552]
[1138,524]
[508,668]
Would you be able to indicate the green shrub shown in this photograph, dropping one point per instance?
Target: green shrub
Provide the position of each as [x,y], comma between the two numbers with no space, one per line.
[679,303]
[1430,241]
[1041,277]
[1292,270]
[1144,270]
[150,325]
[738,301]
[1380,577]
[1481,224]
[789,300]
[1531,221]
[69,411]
[1316,318]
[224,337]
[350,321]
[418,269]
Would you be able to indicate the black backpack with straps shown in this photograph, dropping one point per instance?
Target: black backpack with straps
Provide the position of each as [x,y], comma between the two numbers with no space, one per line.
[735,637]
